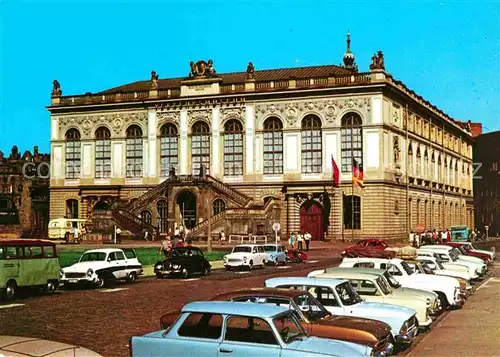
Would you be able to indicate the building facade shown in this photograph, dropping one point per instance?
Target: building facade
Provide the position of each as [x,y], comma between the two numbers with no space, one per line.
[24,194]
[240,151]
[487,182]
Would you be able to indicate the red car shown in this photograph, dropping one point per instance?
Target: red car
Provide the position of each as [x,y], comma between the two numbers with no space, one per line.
[485,257]
[373,248]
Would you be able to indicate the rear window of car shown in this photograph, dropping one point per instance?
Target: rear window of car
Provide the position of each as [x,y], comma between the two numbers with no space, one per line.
[129,253]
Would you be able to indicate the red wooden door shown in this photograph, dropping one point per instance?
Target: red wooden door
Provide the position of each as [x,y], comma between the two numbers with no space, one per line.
[311,219]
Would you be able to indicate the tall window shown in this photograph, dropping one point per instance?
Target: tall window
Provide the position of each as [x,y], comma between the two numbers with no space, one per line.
[352,212]
[410,159]
[440,169]
[72,209]
[233,148]
[162,215]
[134,151]
[102,152]
[311,145]
[200,147]
[273,146]
[426,172]
[352,141]
[146,217]
[168,148]
[219,206]
[418,212]
[419,161]
[73,154]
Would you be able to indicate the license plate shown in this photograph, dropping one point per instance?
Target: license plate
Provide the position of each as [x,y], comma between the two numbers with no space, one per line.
[73,280]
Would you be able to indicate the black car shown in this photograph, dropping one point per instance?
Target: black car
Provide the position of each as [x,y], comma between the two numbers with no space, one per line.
[183,262]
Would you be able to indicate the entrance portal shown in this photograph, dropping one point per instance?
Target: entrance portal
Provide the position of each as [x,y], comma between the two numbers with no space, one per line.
[186,202]
[311,219]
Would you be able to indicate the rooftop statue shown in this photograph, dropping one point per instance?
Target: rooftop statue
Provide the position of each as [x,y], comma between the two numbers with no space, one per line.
[250,70]
[378,61]
[56,89]
[202,69]
[154,79]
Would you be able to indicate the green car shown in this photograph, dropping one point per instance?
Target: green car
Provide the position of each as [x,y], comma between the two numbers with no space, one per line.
[28,263]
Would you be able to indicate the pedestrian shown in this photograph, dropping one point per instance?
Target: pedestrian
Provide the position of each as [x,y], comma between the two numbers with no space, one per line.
[177,233]
[292,240]
[146,233]
[300,241]
[166,246]
[435,239]
[411,237]
[307,238]
[448,235]
[443,236]
[75,234]
[222,237]
[118,235]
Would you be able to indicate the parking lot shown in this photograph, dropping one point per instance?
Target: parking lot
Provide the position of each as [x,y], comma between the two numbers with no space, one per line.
[103,320]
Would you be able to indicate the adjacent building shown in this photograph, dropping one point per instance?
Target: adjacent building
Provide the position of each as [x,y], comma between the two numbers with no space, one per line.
[240,151]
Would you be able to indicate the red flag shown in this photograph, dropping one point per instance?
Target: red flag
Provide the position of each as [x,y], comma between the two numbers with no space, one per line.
[336,173]
[357,174]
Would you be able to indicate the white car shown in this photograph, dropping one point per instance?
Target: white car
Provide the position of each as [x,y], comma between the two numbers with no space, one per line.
[102,266]
[447,253]
[453,266]
[439,269]
[246,256]
[447,288]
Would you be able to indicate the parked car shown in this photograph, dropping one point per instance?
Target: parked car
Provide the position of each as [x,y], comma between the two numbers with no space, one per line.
[340,298]
[460,267]
[470,247]
[296,256]
[18,346]
[216,328]
[317,321]
[448,254]
[246,256]
[183,262]
[448,289]
[484,255]
[276,254]
[369,248]
[375,288]
[28,263]
[100,267]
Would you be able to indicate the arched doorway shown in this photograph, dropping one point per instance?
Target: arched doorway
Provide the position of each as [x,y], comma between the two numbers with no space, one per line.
[100,206]
[186,203]
[311,219]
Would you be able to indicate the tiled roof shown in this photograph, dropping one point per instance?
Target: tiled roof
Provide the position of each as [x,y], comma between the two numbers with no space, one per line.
[240,77]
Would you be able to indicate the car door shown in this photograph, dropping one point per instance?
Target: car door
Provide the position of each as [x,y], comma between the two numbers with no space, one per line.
[248,336]
[326,296]
[114,267]
[199,335]
[197,261]
[123,269]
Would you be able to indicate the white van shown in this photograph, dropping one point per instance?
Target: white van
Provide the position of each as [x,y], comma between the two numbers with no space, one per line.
[64,228]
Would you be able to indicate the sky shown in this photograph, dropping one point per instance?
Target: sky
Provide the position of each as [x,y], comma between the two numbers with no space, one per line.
[448,52]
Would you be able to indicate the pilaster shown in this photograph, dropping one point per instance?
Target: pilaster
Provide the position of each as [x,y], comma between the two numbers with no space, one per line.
[249,138]
[183,147]
[153,158]
[215,154]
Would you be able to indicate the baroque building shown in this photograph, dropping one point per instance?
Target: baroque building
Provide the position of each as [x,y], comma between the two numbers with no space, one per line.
[24,194]
[240,151]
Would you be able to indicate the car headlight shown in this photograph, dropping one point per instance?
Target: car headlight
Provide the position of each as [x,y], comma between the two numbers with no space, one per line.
[225,258]
[343,252]
[158,266]
[176,266]
[404,328]
[244,259]
[90,272]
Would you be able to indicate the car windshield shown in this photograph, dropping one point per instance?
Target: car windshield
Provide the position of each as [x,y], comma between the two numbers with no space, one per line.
[407,268]
[439,263]
[93,257]
[453,255]
[242,249]
[384,285]
[347,294]
[311,307]
[179,252]
[462,250]
[269,248]
[289,327]
[467,247]
[391,280]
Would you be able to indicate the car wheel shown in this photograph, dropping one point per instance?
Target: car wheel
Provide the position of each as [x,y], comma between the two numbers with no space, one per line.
[132,277]
[206,271]
[101,282]
[185,273]
[50,288]
[159,275]
[263,264]
[10,290]
[228,267]
[444,301]
[250,265]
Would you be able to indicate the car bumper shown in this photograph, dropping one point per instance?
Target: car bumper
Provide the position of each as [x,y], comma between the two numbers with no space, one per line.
[86,280]
[386,352]
[407,337]
[236,264]
[168,271]
[425,323]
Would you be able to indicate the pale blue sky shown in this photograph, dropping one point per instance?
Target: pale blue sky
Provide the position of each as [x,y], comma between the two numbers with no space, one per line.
[448,52]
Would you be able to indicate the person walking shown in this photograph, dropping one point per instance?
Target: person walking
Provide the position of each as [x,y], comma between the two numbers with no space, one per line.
[222,237]
[411,237]
[300,240]
[118,235]
[307,238]
[292,240]
[166,247]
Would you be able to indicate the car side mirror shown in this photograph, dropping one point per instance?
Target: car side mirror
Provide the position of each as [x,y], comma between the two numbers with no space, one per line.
[109,260]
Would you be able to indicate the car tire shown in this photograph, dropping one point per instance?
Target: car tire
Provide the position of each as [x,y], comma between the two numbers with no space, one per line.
[206,271]
[132,277]
[444,301]
[263,264]
[10,290]
[50,288]
[185,273]
[250,265]
[228,268]
[101,282]
[159,275]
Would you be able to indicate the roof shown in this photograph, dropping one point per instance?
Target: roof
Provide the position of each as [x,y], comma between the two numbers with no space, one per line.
[369,259]
[240,77]
[103,250]
[234,308]
[247,245]
[302,280]
[372,271]
[287,293]
[26,242]
[435,247]
[350,273]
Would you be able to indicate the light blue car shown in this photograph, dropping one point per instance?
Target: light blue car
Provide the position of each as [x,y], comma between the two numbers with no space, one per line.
[275,254]
[239,329]
[340,298]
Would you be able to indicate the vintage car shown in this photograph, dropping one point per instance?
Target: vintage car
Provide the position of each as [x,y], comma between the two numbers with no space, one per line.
[18,346]
[102,266]
[276,254]
[453,266]
[368,248]
[469,247]
[246,256]
[461,246]
[317,321]
[339,298]
[447,288]
[216,328]
[449,254]
[183,262]
[373,287]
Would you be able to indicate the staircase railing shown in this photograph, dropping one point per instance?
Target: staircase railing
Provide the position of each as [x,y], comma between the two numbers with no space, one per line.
[204,224]
[236,195]
[133,223]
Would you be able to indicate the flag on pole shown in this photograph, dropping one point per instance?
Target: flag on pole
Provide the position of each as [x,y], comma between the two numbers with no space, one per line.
[357,174]
[336,173]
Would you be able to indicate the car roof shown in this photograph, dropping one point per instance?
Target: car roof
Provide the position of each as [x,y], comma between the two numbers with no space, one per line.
[268,292]
[26,242]
[380,260]
[234,308]
[103,250]
[273,244]
[352,273]
[303,280]
[436,247]
[372,271]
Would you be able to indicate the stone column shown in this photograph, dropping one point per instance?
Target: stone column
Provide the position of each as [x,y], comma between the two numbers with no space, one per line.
[183,147]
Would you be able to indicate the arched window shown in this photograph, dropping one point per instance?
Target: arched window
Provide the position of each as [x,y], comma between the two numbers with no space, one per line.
[73,154]
[410,159]
[311,145]
[440,169]
[273,146]
[219,206]
[134,151]
[200,147]
[168,148]
[351,141]
[426,172]
[162,215]
[419,160]
[352,212]
[233,148]
[72,209]
[146,217]
[102,152]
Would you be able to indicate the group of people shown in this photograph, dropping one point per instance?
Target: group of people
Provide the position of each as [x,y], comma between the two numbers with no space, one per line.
[429,237]
[298,240]
[179,240]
